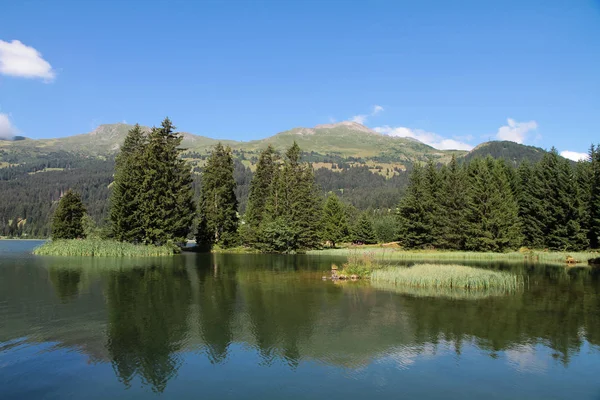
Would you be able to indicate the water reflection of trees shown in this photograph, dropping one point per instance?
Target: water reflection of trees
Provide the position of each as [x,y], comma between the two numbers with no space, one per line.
[287,314]
[148,309]
[65,282]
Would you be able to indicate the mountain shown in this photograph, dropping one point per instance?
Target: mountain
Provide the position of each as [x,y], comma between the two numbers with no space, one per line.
[510,151]
[365,168]
[341,140]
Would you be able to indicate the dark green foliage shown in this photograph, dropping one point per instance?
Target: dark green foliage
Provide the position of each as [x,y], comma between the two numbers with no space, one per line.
[513,153]
[126,211]
[415,228]
[218,204]
[29,200]
[363,232]
[561,219]
[531,205]
[453,207]
[152,198]
[166,197]
[67,220]
[335,224]
[385,228]
[492,222]
[260,188]
[593,208]
[293,210]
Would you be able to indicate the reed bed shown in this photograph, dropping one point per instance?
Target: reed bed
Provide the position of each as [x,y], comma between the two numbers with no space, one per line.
[100,248]
[388,254]
[444,292]
[439,276]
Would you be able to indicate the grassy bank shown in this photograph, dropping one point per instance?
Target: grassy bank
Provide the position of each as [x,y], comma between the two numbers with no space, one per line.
[390,254]
[439,276]
[100,248]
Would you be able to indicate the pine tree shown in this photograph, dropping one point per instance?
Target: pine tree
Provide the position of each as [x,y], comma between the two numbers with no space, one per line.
[260,188]
[453,207]
[433,202]
[531,207]
[67,220]
[335,224]
[414,223]
[293,208]
[166,197]
[125,211]
[594,198]
[363,232]
[218,204]
[492,215]
[562,217]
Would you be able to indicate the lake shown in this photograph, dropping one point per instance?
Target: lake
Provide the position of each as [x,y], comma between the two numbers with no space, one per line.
[267,327]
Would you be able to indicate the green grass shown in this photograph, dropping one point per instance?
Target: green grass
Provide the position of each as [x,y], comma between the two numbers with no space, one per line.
[439,276]
[389,254]
[445,292]
[100,248]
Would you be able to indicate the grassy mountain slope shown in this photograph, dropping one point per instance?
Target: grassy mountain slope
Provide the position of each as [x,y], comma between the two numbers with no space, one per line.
[346,139]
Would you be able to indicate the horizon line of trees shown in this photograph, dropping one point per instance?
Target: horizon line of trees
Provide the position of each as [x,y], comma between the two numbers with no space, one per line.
[480,205]
[489,205]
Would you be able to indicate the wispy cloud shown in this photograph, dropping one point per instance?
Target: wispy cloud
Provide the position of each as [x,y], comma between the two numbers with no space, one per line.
[362,118]
[516,131]
[573,155]
[432,139]
[7,130]
[17,59]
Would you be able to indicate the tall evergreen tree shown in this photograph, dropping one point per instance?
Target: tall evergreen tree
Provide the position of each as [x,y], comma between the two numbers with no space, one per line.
[492,214]
[562,219]
[260,189]
[453,207]
[293,210]
[218,204]
[433,202]
[335,224]
[363,231]
[125,211]
[594,198]
[531,207]
[414,222]
[166,197]
[67,220]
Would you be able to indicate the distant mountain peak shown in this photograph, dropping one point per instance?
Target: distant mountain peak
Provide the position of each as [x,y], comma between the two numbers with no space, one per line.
[355,126]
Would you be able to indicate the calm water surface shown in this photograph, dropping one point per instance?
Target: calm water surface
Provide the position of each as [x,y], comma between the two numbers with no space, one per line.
[266,327]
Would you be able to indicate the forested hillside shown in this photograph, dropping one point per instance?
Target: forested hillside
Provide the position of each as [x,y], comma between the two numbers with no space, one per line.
[364,168]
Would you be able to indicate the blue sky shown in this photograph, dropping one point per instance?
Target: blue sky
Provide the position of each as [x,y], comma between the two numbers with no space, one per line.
[451,73]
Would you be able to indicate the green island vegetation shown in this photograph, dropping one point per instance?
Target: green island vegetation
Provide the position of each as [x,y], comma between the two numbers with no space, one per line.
[101,248]
[476,208]
[448,276]
[386,254]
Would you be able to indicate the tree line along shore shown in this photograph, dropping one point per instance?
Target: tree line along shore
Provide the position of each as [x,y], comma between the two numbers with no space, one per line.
[483,205]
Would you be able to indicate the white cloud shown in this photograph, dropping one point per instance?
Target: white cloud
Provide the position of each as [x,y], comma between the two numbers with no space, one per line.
[359,119]
[7,130]
[17,59]
[432,139]
[516,131]
[573,155]
[362,118]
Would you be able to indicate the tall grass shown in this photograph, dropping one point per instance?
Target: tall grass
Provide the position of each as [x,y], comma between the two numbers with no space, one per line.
[446,292]
[100,248]
[360,264]
[388,254]
[441,276]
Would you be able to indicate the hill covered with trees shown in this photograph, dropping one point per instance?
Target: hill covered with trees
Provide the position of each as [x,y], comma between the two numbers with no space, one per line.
[363,168]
